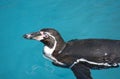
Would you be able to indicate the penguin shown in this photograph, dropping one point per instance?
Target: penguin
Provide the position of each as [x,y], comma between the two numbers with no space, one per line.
[79,55]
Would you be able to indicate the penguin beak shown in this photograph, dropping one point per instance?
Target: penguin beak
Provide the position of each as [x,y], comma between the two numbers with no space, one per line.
[35,36]
[27,36]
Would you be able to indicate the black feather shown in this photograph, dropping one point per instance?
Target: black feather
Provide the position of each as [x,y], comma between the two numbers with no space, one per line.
[81,71]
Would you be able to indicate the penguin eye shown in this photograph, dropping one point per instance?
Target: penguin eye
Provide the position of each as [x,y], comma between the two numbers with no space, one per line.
[46,35]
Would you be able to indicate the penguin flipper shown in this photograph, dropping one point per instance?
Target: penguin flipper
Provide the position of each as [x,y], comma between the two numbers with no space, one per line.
[81,71]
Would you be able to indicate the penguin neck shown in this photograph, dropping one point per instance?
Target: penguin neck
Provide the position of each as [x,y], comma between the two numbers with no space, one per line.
[60,45]
[54,47]
[49,44]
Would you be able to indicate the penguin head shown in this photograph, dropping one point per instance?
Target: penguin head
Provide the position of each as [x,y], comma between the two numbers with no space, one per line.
[48,36]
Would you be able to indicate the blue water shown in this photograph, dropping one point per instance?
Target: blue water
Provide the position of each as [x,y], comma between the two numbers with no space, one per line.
[23,59]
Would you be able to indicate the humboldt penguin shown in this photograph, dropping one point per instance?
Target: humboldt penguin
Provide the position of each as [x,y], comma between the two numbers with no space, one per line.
[79,55]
